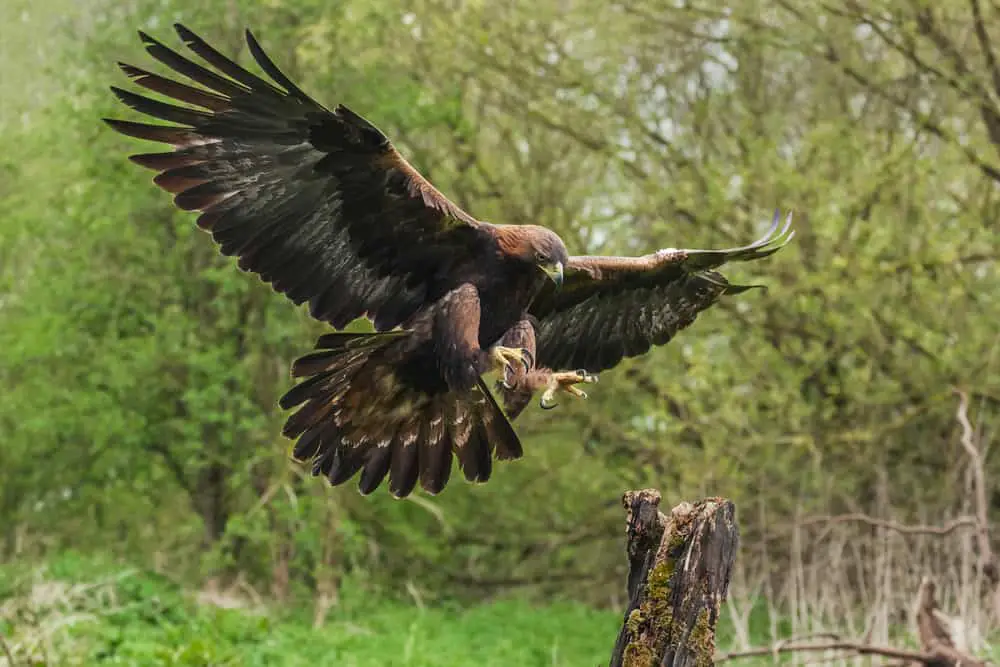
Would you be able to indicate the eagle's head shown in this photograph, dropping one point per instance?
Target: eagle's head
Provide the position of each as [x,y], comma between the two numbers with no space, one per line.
[538,246]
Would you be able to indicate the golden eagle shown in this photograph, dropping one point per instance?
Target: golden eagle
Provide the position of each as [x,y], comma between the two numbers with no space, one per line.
[320,205]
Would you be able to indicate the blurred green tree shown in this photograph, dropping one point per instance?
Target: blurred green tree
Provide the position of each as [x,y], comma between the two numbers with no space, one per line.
[141,369]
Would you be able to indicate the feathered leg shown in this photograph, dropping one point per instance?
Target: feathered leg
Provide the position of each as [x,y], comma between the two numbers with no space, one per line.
[520,384]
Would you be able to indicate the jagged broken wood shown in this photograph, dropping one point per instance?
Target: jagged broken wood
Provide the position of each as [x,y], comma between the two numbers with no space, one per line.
[679,570]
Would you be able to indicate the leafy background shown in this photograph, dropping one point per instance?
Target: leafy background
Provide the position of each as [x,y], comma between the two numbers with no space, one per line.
[144,487]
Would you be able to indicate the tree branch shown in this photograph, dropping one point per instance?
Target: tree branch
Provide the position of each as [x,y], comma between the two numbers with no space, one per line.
[986,560]
[983,37]
[918,529]
[7,652]
[839,645]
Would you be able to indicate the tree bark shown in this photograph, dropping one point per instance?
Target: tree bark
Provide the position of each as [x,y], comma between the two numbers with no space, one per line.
[679,570]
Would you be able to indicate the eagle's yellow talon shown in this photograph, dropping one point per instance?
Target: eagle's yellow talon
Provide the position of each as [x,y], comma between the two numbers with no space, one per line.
[565,382]
[505,357]
[505,383]
[547,401]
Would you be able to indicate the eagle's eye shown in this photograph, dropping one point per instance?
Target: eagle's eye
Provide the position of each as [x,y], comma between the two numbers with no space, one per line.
[541,257]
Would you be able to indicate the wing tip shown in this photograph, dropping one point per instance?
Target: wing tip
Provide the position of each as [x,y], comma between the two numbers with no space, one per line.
[732,290]
[126,127]
[185,33]
[122,94]
[131,71]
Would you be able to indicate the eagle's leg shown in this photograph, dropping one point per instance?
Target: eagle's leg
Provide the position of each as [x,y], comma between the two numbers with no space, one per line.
[505,357]
[565,381]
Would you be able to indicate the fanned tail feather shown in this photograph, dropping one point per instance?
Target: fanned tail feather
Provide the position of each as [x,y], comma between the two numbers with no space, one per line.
[356,413]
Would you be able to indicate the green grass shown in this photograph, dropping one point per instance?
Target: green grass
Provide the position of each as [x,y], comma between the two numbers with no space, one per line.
[78,611]
[72,614]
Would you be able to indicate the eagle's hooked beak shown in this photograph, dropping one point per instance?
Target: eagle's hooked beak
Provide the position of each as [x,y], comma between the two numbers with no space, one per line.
[554,272]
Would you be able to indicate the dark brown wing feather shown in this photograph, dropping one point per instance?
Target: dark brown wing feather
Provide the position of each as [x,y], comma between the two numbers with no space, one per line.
[610,308]
[358,410]
[318,203]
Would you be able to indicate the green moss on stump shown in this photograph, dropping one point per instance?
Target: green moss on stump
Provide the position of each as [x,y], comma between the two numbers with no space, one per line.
[701,642]
[652,619]
[638,654]
[635,619]
[651,625]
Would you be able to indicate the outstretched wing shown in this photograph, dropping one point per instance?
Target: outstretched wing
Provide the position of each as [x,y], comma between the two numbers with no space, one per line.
[319,204]
[610,308]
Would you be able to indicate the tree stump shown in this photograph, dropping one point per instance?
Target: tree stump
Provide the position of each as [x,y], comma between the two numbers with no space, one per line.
[679,570]
[934,631]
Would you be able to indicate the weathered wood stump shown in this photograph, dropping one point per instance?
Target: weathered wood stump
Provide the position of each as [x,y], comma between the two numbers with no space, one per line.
[679,569]
[934,633]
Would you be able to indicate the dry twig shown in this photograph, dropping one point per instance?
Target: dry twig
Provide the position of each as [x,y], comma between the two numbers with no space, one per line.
[915,529]
[937,647]
[6,652]
[987,561]
[839,645]
[979,482]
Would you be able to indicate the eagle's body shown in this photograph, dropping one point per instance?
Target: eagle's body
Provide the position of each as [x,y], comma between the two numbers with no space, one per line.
[323,207]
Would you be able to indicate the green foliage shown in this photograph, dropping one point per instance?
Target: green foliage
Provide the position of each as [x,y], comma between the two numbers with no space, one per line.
[141,369]
[139,618]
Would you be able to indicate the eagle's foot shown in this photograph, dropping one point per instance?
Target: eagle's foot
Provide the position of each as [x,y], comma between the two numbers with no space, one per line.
[504,359]
[565,381]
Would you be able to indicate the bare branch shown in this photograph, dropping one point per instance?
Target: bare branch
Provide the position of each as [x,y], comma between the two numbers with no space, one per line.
[983,37]
[840,645]
[986,562]
[6,652]
[857,517]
